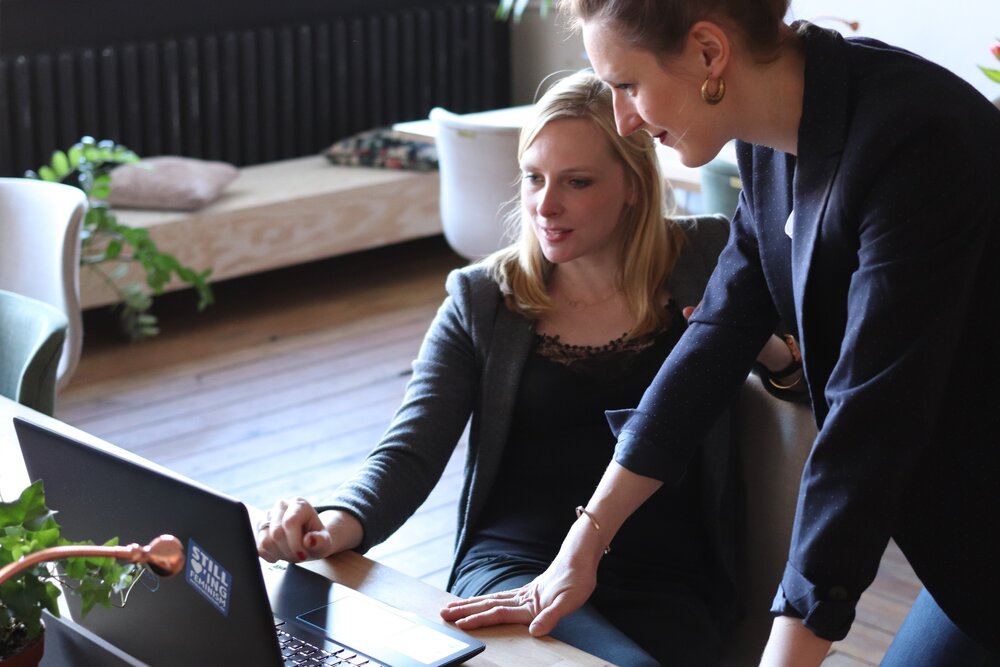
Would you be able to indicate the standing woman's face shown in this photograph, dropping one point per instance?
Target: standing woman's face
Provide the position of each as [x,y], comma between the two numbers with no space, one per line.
[662,99]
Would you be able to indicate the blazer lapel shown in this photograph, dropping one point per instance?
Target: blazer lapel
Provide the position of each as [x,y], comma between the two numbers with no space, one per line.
[822,134]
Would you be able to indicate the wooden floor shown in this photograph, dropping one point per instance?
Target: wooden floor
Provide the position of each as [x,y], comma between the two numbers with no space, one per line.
[283,386]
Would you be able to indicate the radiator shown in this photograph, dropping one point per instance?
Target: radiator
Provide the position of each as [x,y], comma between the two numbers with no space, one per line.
[255,94]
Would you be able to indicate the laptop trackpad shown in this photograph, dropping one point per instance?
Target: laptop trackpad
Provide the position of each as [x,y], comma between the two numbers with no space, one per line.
[370,625]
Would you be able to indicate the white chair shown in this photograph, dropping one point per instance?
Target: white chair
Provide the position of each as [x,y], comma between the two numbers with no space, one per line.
[479,176]
[40,225]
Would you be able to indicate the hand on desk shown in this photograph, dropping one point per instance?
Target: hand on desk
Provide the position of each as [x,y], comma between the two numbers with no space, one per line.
[562,589]
[294,531]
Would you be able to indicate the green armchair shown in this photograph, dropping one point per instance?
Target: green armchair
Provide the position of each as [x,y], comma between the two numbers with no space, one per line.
[32,334]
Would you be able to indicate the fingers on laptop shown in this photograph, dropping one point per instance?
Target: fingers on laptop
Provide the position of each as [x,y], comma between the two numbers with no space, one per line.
[280,537]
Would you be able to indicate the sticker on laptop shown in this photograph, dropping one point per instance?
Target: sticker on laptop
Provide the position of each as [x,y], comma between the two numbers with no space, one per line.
[207,576]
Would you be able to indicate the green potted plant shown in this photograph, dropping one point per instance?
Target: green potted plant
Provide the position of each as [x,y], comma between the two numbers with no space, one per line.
[105,242]
[993,74]
[26,527]
[507,9]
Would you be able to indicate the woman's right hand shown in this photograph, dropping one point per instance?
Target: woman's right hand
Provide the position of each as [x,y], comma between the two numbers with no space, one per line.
[293,531]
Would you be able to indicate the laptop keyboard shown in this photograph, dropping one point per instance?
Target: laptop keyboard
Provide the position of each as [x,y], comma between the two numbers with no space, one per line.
[298,652]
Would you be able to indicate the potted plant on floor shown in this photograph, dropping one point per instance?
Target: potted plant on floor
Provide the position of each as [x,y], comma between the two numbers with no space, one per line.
[29,535]
[106,242]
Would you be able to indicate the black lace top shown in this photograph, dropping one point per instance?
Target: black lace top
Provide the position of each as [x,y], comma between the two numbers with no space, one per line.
[559,447]
[604,361]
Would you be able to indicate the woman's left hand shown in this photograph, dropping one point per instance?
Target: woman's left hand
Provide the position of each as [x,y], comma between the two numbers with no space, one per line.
[539,605]
[558,591]
[774,356]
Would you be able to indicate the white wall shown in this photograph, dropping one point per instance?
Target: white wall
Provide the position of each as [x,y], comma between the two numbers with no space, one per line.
[540,47]
[955,33]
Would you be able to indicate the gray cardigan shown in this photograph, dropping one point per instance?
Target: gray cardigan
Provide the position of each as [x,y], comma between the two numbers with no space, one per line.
[470,363]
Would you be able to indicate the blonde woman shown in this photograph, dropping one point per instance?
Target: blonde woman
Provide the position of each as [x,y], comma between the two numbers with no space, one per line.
[535,343]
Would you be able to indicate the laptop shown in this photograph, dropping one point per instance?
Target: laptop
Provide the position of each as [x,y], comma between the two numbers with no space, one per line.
[227,607]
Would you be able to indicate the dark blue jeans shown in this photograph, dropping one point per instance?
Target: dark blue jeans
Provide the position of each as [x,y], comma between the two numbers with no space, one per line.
[626,627]
[928,638]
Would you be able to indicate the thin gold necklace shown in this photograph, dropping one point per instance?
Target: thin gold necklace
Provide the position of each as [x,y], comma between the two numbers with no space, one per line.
[582,304]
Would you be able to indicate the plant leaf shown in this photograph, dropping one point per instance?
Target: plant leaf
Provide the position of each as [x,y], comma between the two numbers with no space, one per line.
[101,190]
[75,154]
[113,249]
[60,164]
[503,10]
[993,74]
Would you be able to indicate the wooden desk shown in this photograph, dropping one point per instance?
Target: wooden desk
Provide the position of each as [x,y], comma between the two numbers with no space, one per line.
[505,645]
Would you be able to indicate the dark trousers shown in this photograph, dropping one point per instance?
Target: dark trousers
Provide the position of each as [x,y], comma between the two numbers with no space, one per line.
[630,628]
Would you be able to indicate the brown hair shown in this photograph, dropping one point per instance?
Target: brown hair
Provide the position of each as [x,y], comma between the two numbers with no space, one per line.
[649,244]
[660,26]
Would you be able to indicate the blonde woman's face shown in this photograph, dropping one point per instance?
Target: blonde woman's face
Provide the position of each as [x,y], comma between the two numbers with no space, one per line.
[573,191]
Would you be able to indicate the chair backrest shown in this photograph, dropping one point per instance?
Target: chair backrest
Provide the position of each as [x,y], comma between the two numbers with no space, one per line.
[774,439]
[40,226]
[479,175]
[32,334]
[720,187]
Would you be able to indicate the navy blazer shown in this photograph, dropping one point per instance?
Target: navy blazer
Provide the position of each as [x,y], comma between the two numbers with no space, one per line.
[879,243]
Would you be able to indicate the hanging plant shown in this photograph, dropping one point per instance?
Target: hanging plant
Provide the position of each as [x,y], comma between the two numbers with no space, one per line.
[507,9]
[108,247]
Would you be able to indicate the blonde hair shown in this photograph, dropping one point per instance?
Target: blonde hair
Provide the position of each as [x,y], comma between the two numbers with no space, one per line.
[649,244]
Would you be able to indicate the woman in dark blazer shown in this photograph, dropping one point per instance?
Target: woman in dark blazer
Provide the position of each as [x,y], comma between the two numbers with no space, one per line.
[870,224]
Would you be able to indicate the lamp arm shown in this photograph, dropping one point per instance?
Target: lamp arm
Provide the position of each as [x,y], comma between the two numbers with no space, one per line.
[165,555]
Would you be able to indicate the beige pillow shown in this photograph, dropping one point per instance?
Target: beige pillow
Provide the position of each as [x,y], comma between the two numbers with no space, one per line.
[170,182]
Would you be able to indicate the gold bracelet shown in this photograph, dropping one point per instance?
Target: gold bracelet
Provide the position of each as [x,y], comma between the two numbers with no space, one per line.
[796,365]
[580,511]
[797,382]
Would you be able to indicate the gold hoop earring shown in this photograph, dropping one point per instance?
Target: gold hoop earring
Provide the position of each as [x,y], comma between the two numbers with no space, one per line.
[717,96]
